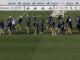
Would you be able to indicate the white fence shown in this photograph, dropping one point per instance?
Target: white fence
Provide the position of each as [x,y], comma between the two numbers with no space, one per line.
[37,8]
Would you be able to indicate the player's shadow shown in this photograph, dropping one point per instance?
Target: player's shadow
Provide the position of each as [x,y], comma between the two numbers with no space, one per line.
[23,33]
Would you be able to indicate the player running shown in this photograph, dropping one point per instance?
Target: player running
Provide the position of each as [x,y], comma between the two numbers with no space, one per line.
[42,26]
[28,24]
[67,20]
[9,26]
[18,27]
[69,27]
[52,24]
[1,27]
[60,17]
[48,21]
[62,26]
[34,20]
[36,28]
[59,26]
[10,18]
[77,19]
[78,24]
[13,24]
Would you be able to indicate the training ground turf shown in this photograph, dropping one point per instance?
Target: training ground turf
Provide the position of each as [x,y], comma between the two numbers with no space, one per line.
[22,46]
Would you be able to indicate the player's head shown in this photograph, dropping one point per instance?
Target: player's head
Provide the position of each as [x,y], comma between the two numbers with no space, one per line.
[9,16]
[20,16]
[70,19]
[51,20]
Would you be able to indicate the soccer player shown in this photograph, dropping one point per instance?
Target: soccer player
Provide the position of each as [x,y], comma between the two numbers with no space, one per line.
[62,26]
[9,26]
[70,23]
[42,26]
[20,20]
[18,27]
[34,20]
[13,24]
[69,27]
[78,24]
[60,17]
[48,22]
[28,24]
[59,26]
[67,20]
[1,27]
[52,24]
[49,19]
[36,28]
[10,18]
[77,19]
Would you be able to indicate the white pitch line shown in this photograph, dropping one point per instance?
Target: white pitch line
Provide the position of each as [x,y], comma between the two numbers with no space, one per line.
[20,15]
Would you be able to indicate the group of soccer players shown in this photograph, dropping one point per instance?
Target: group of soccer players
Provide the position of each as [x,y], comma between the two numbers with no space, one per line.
[61,27]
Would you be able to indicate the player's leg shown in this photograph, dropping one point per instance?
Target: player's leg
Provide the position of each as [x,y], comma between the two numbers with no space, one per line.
[52,30]
[62,29]
[59,30]
[79,28]
[47,26]
[20,27]
[2,31]
[35,30]
[28,29]
[9,31]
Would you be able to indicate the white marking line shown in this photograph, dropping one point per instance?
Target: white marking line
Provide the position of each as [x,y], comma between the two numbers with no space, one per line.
[20,15]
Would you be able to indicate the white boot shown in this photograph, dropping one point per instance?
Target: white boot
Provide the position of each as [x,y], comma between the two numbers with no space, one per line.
[55,33]
[52,34]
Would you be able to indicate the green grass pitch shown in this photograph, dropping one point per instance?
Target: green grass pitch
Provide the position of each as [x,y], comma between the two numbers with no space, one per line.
[21,46]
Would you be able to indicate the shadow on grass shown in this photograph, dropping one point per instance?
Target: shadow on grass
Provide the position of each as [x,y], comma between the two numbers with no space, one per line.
[44,33]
